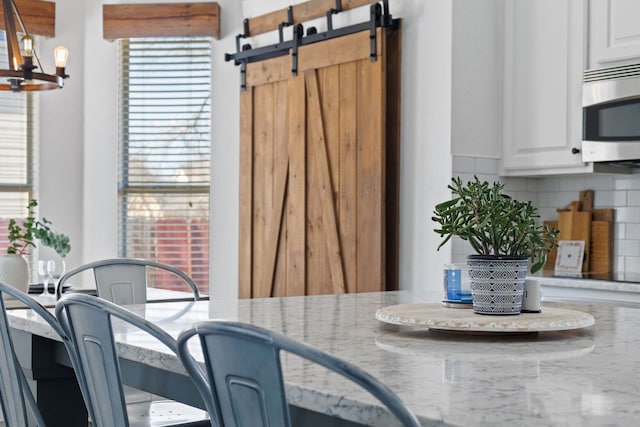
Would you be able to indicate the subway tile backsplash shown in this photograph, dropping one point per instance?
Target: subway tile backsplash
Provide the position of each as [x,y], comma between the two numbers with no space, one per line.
[621,192]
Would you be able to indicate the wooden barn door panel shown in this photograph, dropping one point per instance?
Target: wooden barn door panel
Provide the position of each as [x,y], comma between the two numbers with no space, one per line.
[313,174]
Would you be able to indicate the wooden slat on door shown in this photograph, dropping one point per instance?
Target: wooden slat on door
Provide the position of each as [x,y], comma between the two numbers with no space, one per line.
[276,238]
[245,277]
[263,192]
[347,186]
[325,196]
[370,173]
[296,191]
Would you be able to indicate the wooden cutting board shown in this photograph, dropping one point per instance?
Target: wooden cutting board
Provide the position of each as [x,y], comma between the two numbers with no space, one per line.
[586,200]
[576,225]
[601,252]
[600,243]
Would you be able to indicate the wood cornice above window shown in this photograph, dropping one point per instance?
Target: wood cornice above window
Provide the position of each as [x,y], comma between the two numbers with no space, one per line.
[39,17]
[125,21]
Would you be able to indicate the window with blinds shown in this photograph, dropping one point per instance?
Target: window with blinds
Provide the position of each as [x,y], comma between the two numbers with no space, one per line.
[165,154]
[17,147]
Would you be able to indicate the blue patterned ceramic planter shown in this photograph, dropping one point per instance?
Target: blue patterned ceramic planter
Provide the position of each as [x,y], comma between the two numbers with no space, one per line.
[497,283]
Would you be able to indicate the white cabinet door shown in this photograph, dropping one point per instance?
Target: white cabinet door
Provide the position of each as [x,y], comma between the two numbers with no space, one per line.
[543,64]
[614,33]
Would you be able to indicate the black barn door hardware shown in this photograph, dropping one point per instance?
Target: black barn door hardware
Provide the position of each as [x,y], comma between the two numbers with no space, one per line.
[379,17]
[332,12]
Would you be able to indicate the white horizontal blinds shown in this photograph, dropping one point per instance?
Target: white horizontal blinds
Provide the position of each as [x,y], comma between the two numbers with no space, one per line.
[165,154]
[17,141]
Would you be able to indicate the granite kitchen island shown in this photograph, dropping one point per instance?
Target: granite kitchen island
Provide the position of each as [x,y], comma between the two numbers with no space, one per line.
[586,376]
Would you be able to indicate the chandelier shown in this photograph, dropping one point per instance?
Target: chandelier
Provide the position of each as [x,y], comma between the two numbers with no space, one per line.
[21,55]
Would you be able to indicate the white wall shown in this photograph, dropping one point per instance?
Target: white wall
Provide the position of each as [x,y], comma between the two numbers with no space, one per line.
[61,133]
[426,136]
[79,190]
[225,158]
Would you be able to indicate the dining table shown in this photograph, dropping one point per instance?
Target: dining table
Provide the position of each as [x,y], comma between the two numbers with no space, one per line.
[582,374]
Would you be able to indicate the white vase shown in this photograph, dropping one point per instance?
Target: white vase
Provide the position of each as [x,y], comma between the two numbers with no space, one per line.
[14,271]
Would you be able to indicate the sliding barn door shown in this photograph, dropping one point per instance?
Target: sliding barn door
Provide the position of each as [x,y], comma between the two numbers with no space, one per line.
[319,170]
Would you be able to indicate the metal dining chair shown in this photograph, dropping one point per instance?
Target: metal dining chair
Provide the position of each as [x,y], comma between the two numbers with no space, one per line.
[15,394]
[86,320]
[242,383]
[124,280]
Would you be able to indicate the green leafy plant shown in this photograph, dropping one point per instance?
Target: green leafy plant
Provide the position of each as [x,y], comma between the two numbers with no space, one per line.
[23,237]
[493,222]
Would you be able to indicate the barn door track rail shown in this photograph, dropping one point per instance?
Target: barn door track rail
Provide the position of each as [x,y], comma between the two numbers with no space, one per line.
[379,17]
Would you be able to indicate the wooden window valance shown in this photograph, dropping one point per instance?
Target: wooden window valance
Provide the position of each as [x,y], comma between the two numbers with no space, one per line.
[39,17]
[123,21]
[300,12]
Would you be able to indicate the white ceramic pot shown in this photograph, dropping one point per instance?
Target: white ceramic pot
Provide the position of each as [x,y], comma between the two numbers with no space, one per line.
[14,270]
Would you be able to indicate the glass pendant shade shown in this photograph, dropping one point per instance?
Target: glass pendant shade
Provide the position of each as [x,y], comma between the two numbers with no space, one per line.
[27,45]
[61,54]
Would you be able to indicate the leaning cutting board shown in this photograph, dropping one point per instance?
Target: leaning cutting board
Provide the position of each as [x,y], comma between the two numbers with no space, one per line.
[601,253]
[576,225]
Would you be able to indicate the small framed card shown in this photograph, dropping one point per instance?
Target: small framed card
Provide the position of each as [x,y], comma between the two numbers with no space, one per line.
[570,256]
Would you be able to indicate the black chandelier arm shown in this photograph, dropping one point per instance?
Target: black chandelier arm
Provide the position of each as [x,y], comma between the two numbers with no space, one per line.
[40,81]
[14,56]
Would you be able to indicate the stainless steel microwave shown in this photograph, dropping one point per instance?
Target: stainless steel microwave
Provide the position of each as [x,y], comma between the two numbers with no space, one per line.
[611,115]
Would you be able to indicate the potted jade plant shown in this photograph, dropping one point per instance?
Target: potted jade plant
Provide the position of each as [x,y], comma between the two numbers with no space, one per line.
[14,268]
[506,236]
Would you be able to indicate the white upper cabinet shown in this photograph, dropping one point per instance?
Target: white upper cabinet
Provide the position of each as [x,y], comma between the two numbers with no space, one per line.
[614,33]
[543,66]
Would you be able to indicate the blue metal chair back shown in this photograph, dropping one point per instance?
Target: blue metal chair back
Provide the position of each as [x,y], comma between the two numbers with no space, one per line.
[15,395]
[87,321]
[242,380]
[124,280]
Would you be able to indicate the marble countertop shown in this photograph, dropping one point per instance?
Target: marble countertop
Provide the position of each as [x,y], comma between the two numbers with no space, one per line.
[586,376]
[589,283]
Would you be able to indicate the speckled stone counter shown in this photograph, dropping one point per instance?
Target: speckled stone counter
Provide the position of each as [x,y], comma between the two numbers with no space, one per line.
[586,376]
[560,287]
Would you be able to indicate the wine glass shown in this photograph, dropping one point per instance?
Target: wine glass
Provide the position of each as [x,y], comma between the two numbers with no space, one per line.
[43,273]
[55,268]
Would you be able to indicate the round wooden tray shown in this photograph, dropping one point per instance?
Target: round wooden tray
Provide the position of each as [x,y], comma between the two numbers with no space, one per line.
[434,316]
